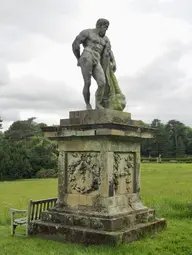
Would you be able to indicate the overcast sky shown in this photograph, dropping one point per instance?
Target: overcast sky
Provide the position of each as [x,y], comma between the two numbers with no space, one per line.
[151,40]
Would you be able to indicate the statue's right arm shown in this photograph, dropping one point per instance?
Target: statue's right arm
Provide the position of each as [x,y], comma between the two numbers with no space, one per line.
[78,41]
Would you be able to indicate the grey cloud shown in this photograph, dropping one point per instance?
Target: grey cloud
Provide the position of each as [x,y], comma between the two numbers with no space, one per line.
[34,93]
[9,115]
[156,88]
[20,19]
[34,16]
[177,9]
[4,74]
[46,98]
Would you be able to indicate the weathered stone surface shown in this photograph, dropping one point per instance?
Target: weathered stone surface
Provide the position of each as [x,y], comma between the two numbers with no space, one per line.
[146,216]
[124,164]
[98,117]
[91,131]
[83,172]
[99,181]
[94,123]
[99,221]
[83,235]
[64,122]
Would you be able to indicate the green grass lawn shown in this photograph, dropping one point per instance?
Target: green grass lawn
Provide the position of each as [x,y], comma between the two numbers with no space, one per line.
[165,187]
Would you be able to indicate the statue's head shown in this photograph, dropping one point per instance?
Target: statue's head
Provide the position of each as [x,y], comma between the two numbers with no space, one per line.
[102,26]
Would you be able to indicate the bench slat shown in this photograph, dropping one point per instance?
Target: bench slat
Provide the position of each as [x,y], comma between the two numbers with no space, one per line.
[32,212]
[37,211]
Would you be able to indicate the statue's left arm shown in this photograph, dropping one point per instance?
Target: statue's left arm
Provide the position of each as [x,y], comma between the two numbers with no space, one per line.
[111,55]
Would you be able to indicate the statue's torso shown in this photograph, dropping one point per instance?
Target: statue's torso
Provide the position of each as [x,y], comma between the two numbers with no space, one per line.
[94,42]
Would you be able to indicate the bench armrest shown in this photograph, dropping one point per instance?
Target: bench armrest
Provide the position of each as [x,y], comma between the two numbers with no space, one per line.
[16,210]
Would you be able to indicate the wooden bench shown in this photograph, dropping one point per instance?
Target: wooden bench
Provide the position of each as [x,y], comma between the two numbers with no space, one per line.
[35,208]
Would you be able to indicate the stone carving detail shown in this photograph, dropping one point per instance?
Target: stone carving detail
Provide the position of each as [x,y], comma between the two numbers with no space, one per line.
[83,172]
[123,170]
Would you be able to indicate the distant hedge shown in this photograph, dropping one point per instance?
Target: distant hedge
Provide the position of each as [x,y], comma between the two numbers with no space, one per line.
[47,173]
[167,160]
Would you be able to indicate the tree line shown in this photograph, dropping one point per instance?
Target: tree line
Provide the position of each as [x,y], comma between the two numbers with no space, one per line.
[171,140]
[25,153]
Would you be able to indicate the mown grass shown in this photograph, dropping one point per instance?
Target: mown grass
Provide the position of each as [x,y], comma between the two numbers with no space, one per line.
[165,187]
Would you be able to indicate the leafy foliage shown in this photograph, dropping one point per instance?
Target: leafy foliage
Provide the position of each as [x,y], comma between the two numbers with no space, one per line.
[24,151]
[46,173]
[23,129]
[171,140]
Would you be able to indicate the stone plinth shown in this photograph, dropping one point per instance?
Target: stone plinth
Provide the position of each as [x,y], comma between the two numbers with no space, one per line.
[99,181]
[97,117]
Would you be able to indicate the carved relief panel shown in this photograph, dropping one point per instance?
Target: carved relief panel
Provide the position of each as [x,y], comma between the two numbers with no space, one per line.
[83,172]
[123,173]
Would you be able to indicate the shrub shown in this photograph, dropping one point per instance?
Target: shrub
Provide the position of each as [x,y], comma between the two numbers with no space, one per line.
[47,173]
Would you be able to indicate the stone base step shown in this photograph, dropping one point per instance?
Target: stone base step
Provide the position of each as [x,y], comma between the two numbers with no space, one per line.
[111,224]
[59,232]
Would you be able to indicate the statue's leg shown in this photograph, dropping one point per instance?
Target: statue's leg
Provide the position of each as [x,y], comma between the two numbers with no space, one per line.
[86,69]
[99,76]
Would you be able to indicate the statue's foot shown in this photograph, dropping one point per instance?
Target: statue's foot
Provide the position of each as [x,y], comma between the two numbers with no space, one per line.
[88,107]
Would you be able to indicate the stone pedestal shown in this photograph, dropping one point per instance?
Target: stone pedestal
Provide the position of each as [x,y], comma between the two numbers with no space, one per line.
[99,181]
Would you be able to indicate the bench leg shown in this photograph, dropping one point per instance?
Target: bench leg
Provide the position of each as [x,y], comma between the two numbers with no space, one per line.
[14,228]
[27,230]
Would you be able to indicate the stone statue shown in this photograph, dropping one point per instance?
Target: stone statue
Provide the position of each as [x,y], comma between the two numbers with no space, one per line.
[97,60]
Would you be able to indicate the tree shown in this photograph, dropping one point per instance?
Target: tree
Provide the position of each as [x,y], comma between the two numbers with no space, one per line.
[188,140]
[43,154]
[24,158]
[157,145]
[1,121]
[24,151]
[177,135]
[24,129]
[14,163]
[171,140]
